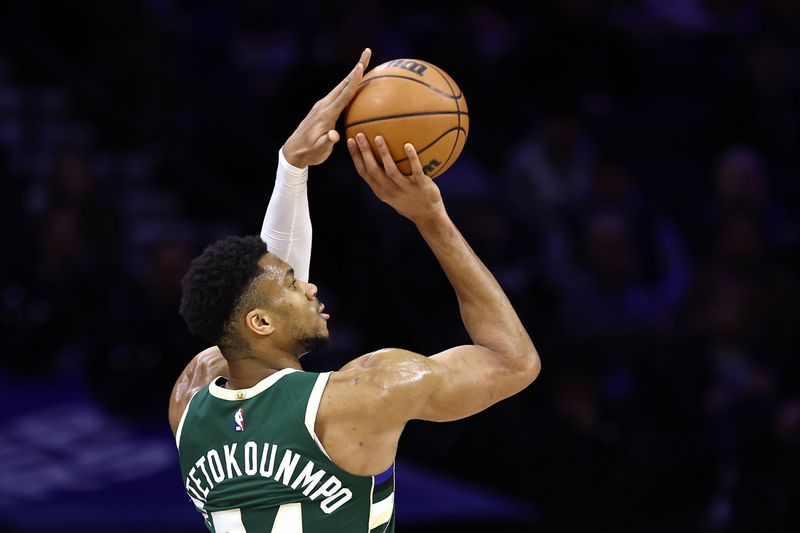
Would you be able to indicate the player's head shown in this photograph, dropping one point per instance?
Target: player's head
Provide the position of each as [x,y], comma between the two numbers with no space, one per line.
[246,300]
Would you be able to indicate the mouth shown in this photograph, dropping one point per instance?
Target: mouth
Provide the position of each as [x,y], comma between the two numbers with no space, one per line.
[325,316]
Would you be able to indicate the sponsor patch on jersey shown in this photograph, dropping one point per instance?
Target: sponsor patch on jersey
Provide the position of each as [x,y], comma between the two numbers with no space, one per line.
[238,420]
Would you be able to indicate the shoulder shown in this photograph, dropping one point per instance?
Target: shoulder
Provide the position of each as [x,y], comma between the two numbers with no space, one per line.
[385,367]
[390,381]
[203,368]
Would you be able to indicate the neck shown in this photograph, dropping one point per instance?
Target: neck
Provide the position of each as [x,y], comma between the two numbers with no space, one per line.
[248,370]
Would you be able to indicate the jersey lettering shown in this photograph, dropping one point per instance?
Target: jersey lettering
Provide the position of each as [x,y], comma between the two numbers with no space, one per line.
[202,466]
[250,458]
[287,466]
[203,491]
[215,465]
[307,479]
[268,472]
[230,460]
[313,484]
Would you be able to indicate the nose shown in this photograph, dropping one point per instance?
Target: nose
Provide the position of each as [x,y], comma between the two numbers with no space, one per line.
[311,291]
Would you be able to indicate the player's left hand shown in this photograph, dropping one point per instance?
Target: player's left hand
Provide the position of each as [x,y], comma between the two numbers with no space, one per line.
[313,140]
[414,196]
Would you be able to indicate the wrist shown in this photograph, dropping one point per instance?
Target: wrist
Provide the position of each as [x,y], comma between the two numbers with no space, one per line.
[293,158]
[292,162]
[431,219]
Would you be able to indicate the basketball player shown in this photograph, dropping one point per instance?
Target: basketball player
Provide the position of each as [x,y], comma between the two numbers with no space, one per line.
[265,446]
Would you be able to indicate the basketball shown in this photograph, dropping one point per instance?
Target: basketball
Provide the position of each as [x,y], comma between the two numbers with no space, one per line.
[411,101]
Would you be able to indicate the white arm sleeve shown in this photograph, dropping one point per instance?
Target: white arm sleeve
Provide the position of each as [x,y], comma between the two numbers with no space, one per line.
[287,223]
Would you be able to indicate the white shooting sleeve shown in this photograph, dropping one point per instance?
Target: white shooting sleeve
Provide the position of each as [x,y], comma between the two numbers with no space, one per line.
[287,223]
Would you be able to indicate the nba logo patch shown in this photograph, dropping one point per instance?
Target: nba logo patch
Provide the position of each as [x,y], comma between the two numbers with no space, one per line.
[238,420]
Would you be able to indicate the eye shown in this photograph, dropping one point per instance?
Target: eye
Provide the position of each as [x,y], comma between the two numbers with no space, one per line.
[294,282]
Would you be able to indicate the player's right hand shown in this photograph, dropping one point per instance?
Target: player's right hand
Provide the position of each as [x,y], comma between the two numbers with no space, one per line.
[415,196]
[313,140]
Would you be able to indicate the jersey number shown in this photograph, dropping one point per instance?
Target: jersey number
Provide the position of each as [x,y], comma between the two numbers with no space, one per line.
[288,520]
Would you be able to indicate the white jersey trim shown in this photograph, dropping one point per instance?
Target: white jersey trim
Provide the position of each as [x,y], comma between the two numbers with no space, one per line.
[380,512]
[313,407]
[183,419]
[242,394]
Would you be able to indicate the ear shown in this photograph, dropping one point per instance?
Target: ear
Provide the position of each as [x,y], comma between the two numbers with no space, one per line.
[259,322]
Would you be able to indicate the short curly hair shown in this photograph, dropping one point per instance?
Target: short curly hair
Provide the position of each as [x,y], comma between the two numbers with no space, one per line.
[217,281]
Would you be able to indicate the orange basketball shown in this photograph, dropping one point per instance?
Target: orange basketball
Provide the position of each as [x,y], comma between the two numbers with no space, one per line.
[411,101]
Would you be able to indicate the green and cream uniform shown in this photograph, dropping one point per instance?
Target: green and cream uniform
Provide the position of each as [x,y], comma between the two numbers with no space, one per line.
[251,462]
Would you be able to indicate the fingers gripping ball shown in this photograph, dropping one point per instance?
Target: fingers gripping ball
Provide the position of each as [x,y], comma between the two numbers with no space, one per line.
[411,101]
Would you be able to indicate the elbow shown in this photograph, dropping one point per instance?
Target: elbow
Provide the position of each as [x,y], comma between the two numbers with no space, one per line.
[522,368]
[520,363]
[532,366]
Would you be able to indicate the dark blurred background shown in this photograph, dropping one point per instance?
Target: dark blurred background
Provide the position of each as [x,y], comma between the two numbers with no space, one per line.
[631,178]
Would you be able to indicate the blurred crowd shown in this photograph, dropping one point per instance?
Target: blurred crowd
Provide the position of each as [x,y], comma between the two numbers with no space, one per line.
[631,178]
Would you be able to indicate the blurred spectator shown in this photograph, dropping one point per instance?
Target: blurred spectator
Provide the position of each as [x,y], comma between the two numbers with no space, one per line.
[53,305]
[601,292]
[742,320]
[762,106]
[142,343]
[618,264]
[49,309]
[760,295]
[75,187]
[742,185]
[550,171]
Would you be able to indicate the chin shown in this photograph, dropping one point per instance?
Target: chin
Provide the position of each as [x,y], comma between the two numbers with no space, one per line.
[315,342]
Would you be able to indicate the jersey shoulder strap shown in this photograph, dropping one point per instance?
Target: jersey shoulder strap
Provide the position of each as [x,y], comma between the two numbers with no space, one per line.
[309,396]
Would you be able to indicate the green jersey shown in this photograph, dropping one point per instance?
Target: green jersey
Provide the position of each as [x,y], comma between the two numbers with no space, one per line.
[251,462]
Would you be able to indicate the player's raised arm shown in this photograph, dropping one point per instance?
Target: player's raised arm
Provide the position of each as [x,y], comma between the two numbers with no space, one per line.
[463,380]
[287,222]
